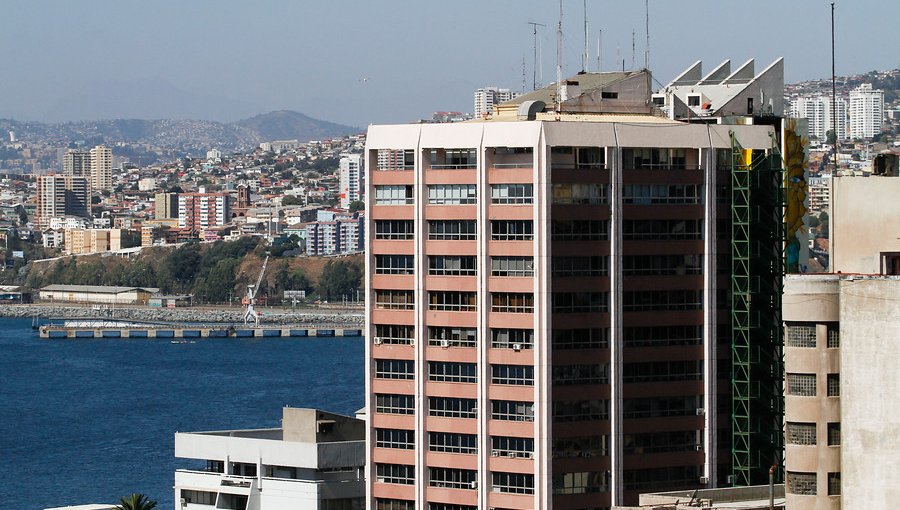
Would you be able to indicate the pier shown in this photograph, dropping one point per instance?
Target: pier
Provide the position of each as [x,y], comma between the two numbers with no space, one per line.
[112,329]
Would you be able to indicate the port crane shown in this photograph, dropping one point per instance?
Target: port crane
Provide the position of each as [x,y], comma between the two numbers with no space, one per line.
[251,315]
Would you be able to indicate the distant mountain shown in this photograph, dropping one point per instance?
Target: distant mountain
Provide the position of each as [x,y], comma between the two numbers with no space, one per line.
[182,135]
[290,125]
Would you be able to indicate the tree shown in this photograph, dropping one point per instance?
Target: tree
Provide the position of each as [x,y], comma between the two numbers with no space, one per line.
[136,502]
[291,200]
[340,278]
[357,205]
[830,137]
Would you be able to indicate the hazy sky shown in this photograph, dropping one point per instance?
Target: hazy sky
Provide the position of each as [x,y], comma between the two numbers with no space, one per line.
[377,61]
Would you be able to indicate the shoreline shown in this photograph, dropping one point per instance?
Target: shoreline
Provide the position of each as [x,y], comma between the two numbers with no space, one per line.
[306,316]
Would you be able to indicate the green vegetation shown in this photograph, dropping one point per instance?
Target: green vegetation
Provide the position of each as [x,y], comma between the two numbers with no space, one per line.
[136,502]
[340,279]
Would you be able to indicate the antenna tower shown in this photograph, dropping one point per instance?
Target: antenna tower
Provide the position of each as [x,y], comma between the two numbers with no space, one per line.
[647,28]
[534,82]
[559,58]
[586,56]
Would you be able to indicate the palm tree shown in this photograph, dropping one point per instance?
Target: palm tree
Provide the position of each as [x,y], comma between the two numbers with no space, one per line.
[136,502]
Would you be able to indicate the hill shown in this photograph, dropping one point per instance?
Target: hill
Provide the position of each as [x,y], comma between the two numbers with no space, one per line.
[291,125]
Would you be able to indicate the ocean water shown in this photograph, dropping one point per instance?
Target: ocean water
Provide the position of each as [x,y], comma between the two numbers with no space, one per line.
[88,421]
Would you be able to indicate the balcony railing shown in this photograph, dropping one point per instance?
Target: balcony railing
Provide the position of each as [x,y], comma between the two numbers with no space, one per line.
[578,166]
[512,165]
[395,168]
[662,166]
[454,166]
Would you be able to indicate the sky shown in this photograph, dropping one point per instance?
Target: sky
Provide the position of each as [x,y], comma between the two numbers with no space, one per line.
[379,61]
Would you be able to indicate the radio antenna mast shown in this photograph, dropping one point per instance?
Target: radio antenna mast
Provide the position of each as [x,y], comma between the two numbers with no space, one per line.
[559,58]
[534,26]
[599,51]
[647,27]
[586,56]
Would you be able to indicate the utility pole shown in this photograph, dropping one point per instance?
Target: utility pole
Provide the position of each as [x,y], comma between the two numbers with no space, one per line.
[534,49]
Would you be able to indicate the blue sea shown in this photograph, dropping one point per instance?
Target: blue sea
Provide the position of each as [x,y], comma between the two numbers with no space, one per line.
[88,421]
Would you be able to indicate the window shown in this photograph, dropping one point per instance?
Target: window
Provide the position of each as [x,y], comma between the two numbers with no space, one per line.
[834,434]
[834,336]
[662,300]
[452,337]
[394,195]
[834,385]
[584,446]
[512,193]
[582,482]
[450,506]
[394,504]
[693,100]
[452,194]
[662,265]
[801,385]
[834,484]
[579,194]
[452,265]
[661,407]
[565,411]
[647,336]
[800,433]
[647,194]
[515,375]
[591,265]
[395,299]
[394,369]
[394,264]
[343,504]
[568,375]
[395,438]
[609,95]
[801,483]
[452,230]
[511,410]
[199,497]
[448,371]
[395,473]
[655,159]
[452,159]
[394,334]
[504,338]
[512,230]
[449,442]
[512,302]
[801,335]
[662,442]
[394,229]
[452,301]
[452,478]
[580,302]
[580,230]
[662,229]
[512,483]
[452,407]
[396,159]
[386,403]
[512,446]
[663,371]
[512,266]
[581,338]
[661,478]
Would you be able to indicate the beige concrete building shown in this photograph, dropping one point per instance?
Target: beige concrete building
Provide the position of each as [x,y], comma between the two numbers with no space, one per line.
[101,294]
[101,168]
[861,212]
[92,240]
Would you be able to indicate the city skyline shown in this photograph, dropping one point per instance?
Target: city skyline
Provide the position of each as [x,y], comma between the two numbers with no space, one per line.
[227,60]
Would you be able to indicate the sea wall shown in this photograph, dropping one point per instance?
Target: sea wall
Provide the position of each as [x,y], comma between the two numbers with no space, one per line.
[306,316]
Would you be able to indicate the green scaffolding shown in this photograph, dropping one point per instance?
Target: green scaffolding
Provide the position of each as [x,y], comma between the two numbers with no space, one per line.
[757,269]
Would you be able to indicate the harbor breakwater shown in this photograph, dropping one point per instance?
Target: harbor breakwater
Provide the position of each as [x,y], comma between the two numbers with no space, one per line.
[308,317]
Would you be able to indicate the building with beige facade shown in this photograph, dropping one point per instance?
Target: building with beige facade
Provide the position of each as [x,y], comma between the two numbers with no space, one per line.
[60,196]
[860,225]
[101,168]
[92,240]
[543,303]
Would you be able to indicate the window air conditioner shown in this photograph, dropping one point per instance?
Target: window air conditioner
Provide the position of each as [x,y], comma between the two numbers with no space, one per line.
[495,453]
[512,455]
[517,347]
[704,479]
[701,411]
[698,447]
[445,343]
[473,484]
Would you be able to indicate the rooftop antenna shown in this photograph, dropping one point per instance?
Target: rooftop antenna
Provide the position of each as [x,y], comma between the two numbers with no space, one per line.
[599,51]
[647,29]
[632,48]
[834,118]
[523,74]
[559,58]
[586,56]
[534,26]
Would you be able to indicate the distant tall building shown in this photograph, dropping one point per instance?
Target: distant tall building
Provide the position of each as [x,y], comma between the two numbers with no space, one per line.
[353,176]
[77,162]
[866,111]
[166,206]
[243,197]
[61,195]
[817,110]
[200,211]
[487,97]
[101,168]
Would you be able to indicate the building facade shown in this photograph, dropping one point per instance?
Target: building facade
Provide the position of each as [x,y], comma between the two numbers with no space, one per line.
[77,162]
[866,111]
[165,206]
[341,235]
[818,110]
[61,195]
[352,179]
[199,211]
[487,97]
[101,168]
[546,313]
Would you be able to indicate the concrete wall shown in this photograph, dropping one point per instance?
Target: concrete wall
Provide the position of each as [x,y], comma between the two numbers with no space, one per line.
[862,210]
[870,384]
[315,426]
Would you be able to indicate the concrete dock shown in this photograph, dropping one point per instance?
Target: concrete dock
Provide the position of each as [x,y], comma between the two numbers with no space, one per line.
[62,332]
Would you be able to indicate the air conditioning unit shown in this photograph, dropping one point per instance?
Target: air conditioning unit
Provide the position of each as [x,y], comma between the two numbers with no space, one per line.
[704,479]
[701,411]
[529,455]
[376,340]
[380,480]
[729,479]
[698,447]
[586,454]
[512,455]
[473,484]
[445,343]
[495,453]
[517,347]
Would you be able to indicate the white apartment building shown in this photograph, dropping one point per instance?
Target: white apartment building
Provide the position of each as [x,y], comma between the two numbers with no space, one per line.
[817,110]
[353,175]
[487,97]
[866,111]
[77,163]
[819,193]
[313,462]
[101,168]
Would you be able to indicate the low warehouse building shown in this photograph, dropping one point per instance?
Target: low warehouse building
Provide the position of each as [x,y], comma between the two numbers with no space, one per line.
[97,294]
